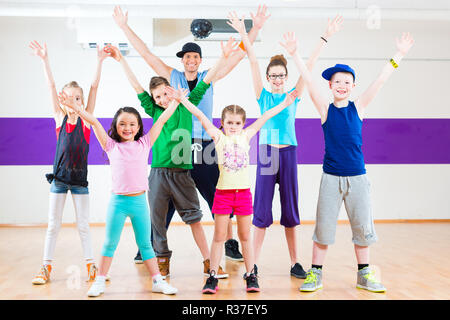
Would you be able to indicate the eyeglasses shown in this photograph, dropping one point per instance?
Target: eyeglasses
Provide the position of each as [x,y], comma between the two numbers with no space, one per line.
[275,76]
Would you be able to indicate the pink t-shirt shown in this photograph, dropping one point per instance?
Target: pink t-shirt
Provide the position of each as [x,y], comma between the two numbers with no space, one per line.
[129,164]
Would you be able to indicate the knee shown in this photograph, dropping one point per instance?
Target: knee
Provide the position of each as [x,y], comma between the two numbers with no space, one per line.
[220,235]
[243,235]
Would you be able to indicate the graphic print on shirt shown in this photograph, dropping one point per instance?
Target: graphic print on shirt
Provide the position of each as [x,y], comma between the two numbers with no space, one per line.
[235,157]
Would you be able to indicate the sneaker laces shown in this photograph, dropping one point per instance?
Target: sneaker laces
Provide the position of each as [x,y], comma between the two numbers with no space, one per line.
[311,277]
[92,271]
[371,277]
[43,273]
[211,276]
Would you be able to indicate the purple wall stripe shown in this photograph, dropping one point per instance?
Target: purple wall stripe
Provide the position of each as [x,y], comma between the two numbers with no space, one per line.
[32,141]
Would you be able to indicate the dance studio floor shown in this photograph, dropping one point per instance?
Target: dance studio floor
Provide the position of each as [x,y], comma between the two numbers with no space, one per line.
[412,259]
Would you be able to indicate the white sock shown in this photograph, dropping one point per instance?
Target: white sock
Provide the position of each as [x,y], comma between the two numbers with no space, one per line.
[157,278]
[100,278]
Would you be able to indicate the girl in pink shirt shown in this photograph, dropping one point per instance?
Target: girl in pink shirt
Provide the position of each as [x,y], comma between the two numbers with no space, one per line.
[128,150]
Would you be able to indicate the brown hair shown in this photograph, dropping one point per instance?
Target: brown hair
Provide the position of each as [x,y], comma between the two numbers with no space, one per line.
[278,60]
[73,84]
[234,109]
[156,82]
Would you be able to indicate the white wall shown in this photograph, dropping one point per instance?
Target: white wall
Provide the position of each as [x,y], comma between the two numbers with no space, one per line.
[416,90]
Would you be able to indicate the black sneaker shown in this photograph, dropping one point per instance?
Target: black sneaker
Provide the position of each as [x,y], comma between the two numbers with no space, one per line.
[138,258]
[298,272]
[232,250]
[255,272]
[252,283]
[211,285]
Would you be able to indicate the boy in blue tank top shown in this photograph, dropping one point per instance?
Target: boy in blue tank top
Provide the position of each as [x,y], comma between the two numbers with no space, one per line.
[344,174]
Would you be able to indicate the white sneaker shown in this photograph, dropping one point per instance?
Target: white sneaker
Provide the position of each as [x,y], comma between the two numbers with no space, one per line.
[163,287]
[97,288]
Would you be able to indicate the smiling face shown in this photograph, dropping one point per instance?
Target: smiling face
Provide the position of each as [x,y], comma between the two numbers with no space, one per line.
[127,126]
[160,96]
[191,61]
[341,85]
[277,77]
[232,124]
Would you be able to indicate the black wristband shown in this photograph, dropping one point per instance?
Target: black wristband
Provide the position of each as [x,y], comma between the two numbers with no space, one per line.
[323,39]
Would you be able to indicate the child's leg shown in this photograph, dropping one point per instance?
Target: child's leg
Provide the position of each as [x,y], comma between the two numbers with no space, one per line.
[244,223]
[220,234]
[291,239]
[56,207]
[319,252]
[115,220]
[81,204]
[200,239]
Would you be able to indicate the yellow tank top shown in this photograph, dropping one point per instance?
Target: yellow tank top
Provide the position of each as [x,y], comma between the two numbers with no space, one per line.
[233,156]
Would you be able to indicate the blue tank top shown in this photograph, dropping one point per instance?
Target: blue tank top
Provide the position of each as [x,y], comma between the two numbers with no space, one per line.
[177,78]
[343,142]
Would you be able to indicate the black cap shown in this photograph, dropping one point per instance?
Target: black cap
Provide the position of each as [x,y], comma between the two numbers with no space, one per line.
[189,47]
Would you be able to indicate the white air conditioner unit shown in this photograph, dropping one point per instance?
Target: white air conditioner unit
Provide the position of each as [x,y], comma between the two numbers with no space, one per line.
[93,31]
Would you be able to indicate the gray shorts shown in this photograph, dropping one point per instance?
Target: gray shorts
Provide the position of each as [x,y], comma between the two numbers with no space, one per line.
[355,192]
[177,185]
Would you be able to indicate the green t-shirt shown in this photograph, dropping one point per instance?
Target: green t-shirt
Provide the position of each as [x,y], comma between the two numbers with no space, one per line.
[172,149]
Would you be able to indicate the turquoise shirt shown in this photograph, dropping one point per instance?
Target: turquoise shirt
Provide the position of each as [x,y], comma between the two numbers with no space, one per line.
[177,78]
[280,129]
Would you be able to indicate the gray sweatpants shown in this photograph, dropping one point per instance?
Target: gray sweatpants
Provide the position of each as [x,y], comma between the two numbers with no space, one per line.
[166,184]
[355,192]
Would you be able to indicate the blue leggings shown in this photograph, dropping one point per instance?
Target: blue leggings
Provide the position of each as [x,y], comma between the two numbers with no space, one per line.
[120,207]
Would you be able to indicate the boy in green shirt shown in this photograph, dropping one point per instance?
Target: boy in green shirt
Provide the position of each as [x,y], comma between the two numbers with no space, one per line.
[170,178]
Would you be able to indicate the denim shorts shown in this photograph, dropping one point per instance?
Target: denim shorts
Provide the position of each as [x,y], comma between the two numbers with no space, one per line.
[61,187]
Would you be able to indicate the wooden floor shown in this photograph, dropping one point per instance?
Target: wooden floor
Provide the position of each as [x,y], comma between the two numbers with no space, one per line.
[413,260]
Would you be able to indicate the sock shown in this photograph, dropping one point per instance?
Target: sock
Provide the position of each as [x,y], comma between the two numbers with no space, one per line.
[316,266]
[89,261]
[157,277]
[100,278]
[362,266]
[47,262]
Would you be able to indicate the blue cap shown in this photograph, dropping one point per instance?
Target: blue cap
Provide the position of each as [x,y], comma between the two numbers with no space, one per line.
[328,73]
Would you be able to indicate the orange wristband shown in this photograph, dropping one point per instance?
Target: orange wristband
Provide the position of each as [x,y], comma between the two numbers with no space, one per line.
[241,45]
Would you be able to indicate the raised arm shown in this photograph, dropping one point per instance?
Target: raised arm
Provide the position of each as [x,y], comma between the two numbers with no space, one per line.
[239,26]
[258,22]
[153,61]
[180,95]
[403,45]
[42,53]
[115,53]
[101,55]
[99,131]
[256,126]
[333,26]
[319,102]
[159,124]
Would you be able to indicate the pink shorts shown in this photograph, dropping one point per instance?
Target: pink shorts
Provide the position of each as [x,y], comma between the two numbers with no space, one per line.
[236,201]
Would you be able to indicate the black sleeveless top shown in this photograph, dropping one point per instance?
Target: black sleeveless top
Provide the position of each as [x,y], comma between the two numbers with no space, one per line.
[70,164]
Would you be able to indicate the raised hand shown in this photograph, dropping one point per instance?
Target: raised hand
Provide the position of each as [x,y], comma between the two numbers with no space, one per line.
[236,23]
[230,47]
[67,101]
[173,93]
[38,50]
[333,26]
[261,16]
[113,52]
[290,43]
[120,18]
[404,43]
[290,97]
[102,54]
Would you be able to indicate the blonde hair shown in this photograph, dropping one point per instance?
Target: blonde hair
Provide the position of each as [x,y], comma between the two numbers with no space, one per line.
[278,60]
[233,109]
[73,84]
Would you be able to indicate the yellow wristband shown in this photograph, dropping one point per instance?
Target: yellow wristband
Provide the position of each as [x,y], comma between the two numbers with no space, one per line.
[394,64]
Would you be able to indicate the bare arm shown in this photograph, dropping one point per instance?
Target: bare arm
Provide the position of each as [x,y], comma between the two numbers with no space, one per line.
[333,26]
[403,45]
[99,131]
[42,53]
[258,22]
[101,55]
[320,102]
[256,126]
[180,95]
[239,26]
[153,61]
[115,53]
[159,124]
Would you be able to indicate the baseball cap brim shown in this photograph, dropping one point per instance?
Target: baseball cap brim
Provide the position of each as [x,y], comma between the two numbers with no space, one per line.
[328,73]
